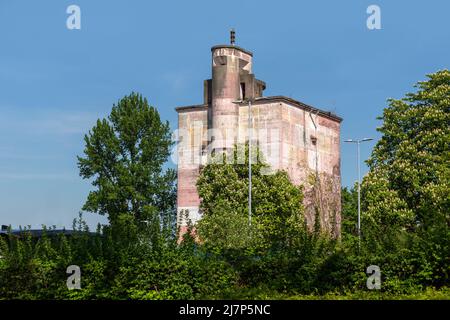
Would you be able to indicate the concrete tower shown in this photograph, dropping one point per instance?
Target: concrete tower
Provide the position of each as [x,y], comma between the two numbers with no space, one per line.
[304,140]
[232,80]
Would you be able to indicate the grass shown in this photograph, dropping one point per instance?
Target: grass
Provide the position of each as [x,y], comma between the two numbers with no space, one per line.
[264,294]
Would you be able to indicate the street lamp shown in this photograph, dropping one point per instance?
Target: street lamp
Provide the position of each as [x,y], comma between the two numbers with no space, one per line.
[358,142]
[249,162]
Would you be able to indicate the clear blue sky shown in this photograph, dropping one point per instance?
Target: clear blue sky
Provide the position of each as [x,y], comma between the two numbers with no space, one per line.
[55,82]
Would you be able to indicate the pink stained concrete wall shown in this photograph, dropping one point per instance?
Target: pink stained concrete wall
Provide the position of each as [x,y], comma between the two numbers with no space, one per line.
[288,146]
[192,128]
[291,131]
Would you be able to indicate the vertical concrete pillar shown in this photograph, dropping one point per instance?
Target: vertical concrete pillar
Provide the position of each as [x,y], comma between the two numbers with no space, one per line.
[228,63]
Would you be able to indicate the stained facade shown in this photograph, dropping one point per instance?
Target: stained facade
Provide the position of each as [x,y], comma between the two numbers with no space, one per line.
[293,136]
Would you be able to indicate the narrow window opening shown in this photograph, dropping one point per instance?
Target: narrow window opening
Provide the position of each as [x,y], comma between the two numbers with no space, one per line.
[242,91]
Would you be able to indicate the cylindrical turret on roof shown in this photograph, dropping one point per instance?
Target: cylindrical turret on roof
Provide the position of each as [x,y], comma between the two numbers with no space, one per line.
[229,63]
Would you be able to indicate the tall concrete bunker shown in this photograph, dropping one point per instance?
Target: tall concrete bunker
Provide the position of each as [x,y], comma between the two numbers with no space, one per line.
[293,136]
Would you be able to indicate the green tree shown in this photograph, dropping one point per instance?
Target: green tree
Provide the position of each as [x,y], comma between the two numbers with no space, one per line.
[124,156]
[406,194]
[349,214]
[413,156]
[223,187]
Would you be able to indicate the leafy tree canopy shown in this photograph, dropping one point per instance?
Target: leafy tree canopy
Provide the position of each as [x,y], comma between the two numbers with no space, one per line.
[411,161]
[223,187]
[406,194]
[124,156]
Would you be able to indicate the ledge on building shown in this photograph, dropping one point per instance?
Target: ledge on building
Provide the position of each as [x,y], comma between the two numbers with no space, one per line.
[287,100]
[196,107]
[295,103]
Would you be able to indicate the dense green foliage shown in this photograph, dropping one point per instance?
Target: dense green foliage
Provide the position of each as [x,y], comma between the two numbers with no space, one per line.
[405,221]
[407,191]
[124,156]
[276,204]
[146,268]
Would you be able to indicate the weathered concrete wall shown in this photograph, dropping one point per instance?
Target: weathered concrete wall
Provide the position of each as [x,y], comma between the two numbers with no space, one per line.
[192,128]
[294,137]
[306,145]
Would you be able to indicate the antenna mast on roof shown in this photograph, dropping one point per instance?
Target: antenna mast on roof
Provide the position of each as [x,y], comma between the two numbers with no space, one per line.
[232,36]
